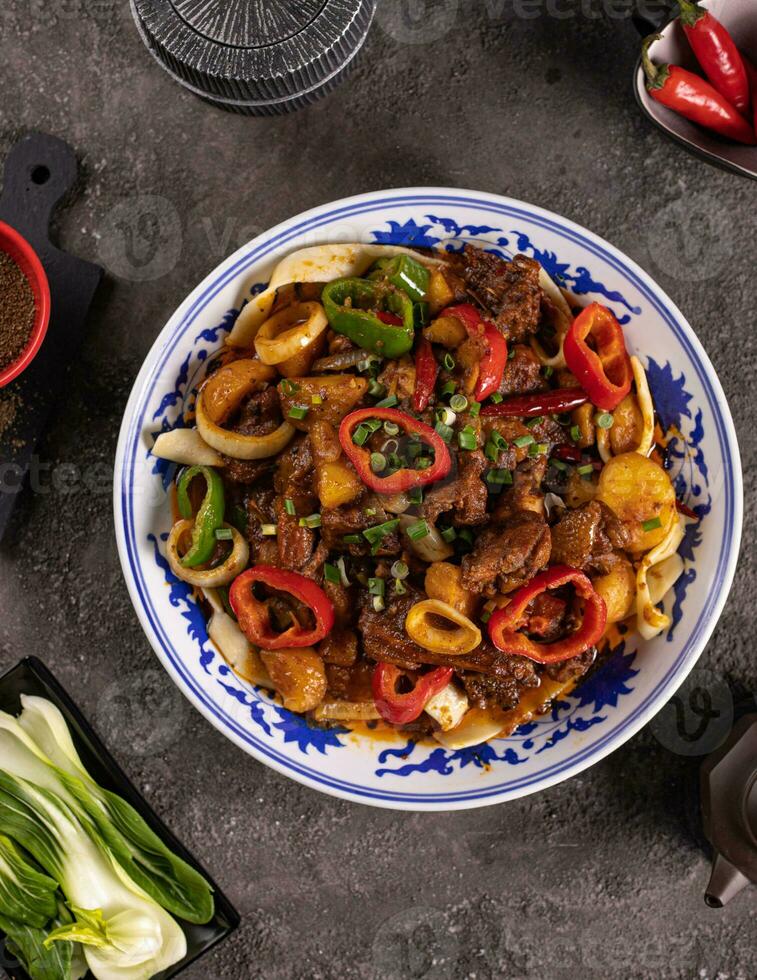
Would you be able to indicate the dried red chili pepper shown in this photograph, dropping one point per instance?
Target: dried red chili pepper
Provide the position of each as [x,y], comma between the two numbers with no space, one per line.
[505,623]
[492,364]
[402,479]
[254,618]
[540,403]
[400,709]
[426,372]
[716,52]
[603,372]
[695,98]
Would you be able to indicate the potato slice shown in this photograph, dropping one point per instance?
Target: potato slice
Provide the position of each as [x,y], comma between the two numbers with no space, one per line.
[639,492]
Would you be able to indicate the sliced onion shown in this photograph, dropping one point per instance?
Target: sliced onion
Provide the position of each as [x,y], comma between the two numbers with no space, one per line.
[603,444]
[290,331]
[396,503]
[430,548]
[420,628]
[346,711]
[477,726]
[237,650]
[187,447]
[562,321]
[448,707]
[210,578]
[238,446]
[338,362]
[651,620]
[320,263]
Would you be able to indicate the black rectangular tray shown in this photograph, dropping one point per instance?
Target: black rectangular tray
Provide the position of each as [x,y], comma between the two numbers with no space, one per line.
[31,676]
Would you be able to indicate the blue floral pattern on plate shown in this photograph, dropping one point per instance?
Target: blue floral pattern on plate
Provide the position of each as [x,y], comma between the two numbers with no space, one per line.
[602,690]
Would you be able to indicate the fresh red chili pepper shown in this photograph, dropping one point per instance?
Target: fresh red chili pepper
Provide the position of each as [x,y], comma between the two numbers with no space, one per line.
[695,98]
[400,709]
[402,479]
[540,403]
[505,623]
[716,52]
[605,372]
[492,364]
[390,318]
[426,371]
[253,615]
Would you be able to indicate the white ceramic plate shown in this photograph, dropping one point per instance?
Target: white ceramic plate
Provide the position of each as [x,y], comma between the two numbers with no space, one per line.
[602,713]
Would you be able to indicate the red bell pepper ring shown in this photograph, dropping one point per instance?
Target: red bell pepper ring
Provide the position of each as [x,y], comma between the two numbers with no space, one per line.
[400,709]
[492,365]
[604,372]
[540,403]
[403,479]
[426,372]
[391,318]
[716,52]
[253,615]
[505,623]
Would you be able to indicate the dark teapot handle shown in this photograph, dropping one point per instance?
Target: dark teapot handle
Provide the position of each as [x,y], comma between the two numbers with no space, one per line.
[650,16]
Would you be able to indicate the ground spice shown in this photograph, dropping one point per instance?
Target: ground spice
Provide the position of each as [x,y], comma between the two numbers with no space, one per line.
[17,309]
[9,406]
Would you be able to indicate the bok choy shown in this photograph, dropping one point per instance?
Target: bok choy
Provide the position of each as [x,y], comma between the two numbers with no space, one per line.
[81,873]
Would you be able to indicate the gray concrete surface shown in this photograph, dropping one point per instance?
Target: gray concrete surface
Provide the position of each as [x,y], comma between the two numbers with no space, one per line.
[600,877]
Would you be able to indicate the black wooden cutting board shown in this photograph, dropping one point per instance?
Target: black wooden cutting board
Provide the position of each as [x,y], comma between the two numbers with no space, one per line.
[39,171]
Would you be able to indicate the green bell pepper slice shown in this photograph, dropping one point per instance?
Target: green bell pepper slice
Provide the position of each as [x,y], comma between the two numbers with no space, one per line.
[353,308]
[405,273]
[209,517]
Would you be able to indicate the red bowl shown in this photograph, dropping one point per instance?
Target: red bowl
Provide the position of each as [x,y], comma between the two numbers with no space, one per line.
[24,255]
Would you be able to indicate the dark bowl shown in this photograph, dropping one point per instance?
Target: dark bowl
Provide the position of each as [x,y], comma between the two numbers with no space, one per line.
[31,676]
[740,17]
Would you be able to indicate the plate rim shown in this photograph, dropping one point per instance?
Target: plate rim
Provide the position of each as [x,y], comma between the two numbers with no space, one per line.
[226,272]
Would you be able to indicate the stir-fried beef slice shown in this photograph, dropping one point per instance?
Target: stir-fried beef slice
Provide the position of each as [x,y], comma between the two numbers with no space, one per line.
[587,537]
[526,493]
[522,373]
[246,471]
[295,475]
[550,433]
[339,647]
[466,494]
[342,599]
[510,290]
[572,669]
[506,556]
[261,414]
[260,504]
[504,689]
[338,522]
[314,565]
[295,543]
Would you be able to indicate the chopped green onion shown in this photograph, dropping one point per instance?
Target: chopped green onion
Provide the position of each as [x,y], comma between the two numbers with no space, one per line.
[458,403]
[378,462]
[466,439]
[369,363]
[331,574]
[376,389]
[418,530]
[400,569]
[449,534]
[352,539]
[298,412]
[485,616]
[466,535]
[289,507]
[342,569]
[312,522]
[548,370]
[538,449]
[289,387]
[445,431]
[399,587]
[378,531]
[446,416]
[511,354]
[389,402]
[391,428]
[448,388]
[558,464]
[376,586]
[448,361]
[604,420]
[499,440]
[537,420]
[361,434]
[378,603]
[415,496]
[270,530]
[372,425]
[491,451]
[370,511]
[652,524]
[474,409]
[575,433]
[422,463]
[522,441]
[316,400]
[499,477]
[496,398]
[224,534]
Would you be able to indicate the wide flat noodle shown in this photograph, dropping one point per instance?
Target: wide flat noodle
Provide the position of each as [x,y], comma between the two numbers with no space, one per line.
[562,320]
[320,263]
[650,620]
